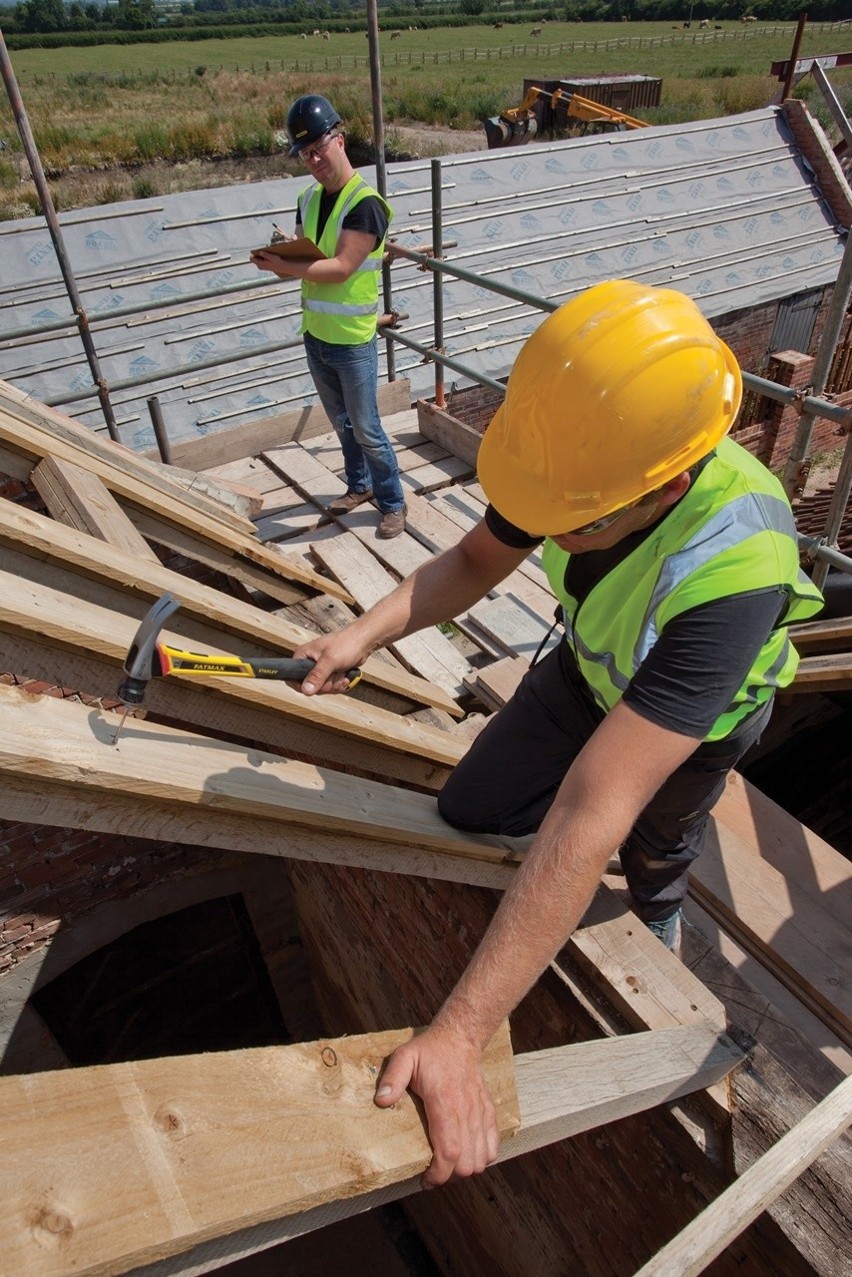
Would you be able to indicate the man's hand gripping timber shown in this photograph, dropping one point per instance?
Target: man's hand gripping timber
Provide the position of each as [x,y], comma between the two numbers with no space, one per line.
[444,1068]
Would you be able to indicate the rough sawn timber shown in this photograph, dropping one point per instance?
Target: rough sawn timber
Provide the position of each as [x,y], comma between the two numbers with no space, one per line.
[86,559]
[133,1163]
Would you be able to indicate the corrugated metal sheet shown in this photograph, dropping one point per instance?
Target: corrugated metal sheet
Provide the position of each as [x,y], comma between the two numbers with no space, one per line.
[724,210]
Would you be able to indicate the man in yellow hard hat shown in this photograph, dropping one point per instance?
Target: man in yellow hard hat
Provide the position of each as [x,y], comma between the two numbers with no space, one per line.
[673,554]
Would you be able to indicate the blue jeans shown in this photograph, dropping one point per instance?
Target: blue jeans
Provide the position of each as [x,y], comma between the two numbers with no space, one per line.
[346,379]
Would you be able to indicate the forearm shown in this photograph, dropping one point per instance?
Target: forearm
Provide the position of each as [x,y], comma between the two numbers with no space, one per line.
[442,588]
[538,913]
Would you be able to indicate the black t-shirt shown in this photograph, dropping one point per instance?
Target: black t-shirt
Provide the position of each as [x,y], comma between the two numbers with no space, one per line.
[694,670]
[369,215]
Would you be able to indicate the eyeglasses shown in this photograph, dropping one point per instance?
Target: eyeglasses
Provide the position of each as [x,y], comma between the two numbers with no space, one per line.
[310,154]
[607,520]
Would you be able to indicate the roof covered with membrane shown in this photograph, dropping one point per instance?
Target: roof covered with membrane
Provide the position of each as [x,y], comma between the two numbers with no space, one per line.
[728,211]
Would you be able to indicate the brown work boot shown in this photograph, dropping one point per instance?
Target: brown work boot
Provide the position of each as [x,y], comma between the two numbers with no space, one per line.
[349,501]
[392,523]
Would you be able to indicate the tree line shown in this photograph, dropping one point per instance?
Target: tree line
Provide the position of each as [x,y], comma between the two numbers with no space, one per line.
[187,19]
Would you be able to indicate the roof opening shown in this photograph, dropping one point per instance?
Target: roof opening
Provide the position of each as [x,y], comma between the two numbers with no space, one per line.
[194,980]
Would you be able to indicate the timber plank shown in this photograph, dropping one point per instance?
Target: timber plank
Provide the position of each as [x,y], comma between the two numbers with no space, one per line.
[829,635]
[414,455]
[435,474]
[558,1093]
[499,682]
[403,555]
[181,542]
[518,629]
[429,526]
[37,431]
[460,439]
[307,474]
[131,1163]
[279,524]
[831,672]
[252,438]
[809,864]
[43,538]
[462,508]
[168,505]
[218,709]
[561,1093]
[756,1190]
[49,741]
[427,521]
[248,471]
[79,499]
[804,946]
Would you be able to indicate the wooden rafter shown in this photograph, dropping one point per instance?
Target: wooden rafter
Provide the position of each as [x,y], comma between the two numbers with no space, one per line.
[87,559]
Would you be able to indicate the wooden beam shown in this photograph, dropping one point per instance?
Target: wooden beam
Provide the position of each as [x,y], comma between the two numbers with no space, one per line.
[52,741]
[79,499]
[252,438]
[427,652]
[791,934]
[700,1242]
[224,1154]
[279,587]
[831,672]
[442,428]
[130,1163]
[217,707]
[59,767]
[54,619]
[37,431]
[43,538]
[129,480]
[830,635]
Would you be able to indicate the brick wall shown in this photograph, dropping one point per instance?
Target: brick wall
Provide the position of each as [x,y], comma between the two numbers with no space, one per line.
[50,878]
[814,146]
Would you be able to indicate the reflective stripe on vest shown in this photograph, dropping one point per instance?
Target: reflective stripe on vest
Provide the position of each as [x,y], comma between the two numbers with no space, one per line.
[344,314]
[732,532]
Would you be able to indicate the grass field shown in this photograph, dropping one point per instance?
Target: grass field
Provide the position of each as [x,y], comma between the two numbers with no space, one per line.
[114,122]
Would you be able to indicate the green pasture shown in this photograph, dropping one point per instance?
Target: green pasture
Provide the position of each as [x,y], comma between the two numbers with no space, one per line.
[686,52]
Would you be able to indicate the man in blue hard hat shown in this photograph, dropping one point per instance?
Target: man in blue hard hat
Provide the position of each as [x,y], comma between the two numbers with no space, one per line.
[348,221]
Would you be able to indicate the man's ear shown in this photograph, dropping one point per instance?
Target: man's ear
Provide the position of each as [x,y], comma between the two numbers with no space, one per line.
[675,489]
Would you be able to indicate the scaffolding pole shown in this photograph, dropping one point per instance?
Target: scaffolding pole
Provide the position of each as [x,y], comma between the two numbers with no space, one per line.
[31,150]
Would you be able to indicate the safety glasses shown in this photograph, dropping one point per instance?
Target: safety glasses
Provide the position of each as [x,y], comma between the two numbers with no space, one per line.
[607,520]
[310,154]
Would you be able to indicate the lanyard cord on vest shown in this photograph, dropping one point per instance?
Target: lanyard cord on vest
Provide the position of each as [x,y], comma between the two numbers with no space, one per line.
[557,620]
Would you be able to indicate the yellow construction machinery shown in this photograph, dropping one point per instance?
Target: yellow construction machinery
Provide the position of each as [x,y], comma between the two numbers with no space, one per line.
[520,124]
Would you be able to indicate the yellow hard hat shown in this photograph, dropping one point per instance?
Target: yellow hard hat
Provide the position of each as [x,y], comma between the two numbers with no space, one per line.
[614,394]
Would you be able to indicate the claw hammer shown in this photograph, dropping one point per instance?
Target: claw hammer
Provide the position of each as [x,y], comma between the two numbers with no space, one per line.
[147,658]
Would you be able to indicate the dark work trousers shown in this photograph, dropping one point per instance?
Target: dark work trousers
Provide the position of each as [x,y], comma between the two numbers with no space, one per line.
[509,777]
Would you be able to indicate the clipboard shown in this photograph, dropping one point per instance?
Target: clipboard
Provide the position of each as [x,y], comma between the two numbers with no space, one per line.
[298,250]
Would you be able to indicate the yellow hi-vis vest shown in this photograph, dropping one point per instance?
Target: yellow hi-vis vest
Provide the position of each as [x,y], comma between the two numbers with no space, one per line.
[733,531]
[343,314]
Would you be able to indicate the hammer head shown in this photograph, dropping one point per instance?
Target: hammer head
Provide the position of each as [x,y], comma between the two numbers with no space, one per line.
[142,662]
